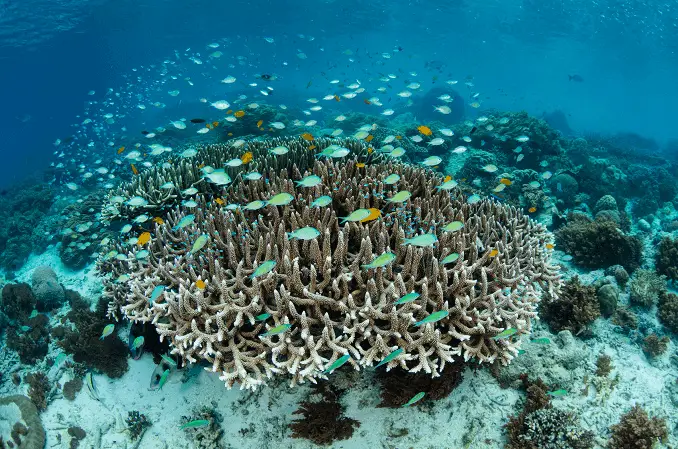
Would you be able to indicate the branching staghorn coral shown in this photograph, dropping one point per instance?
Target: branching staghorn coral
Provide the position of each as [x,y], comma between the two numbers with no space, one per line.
[211,307]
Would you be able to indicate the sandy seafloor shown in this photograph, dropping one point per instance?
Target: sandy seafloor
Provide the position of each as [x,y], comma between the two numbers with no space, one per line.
[475,411]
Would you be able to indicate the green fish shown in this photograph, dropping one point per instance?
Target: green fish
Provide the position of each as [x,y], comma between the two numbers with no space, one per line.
[125,229]
[255,205]
[340,361]
[163,379]
[310,181]
[169,360]
[407,298]
[138,342]
[449,185]
[33,314]
[417,397]
[307,233]
[432,318]
[391,179]
[155,294]
[276,330]
[187,220]
[60,358]
[422,240]
[108,330]
[200,243]
[322,201]
[263,269]
[356,215]
[281,199]
[557,393]
[453,227]
[390,357]
[263,316]
[541,341]
[195,424]
[400,197]
[381,261]
[25,328]
[450,258]
[142,254]
[506,333]
[521,351]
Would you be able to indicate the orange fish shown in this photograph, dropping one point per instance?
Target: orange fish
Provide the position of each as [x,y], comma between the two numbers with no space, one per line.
[399,137]
[159,220]
[312,147]
[307,136]
[230,111]
[336,97]
[259,123]
[447,178]
[121,149]
[215,124]
[425,130]
[374,214]
[239,113]
[200,284]
[494,252]
[367,101]
[506,182]
[532,210]
[369,138]
[134,169]
[247,157]
[550,246]
[219,201]
[360,164]
[144,238]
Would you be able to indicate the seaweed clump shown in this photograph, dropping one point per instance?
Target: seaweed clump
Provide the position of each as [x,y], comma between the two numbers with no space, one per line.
[666,259]
[38,390]
[575,308]
[399,386]
[636,430]
[598,243]
[109,355]
[645,287]
[539,425]
[137,423]
[323,422]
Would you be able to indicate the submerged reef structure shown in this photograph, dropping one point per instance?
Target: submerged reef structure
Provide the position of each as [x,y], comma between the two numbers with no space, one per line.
[257,279]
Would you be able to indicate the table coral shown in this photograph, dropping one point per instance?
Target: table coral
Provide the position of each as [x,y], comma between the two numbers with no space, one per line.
[333,305]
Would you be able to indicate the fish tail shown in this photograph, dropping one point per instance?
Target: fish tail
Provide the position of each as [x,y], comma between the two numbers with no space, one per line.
[101,338]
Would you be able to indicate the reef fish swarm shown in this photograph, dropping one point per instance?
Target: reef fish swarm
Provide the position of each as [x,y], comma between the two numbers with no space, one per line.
[322,300]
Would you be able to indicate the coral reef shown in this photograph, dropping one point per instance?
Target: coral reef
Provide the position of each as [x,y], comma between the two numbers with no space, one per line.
[603,365]
[540,426]
[598,243]
[636,430]
[137,423]
[39,388]
[608,296]
[667,310]
[323,422]
[320,295]
[30,341]
[18,301]
[109,355]
[655,346]
[645,287]
[32,435]
[573,309]
[398,386]
[666,258]
[619,274]
[49,294]
[625,318]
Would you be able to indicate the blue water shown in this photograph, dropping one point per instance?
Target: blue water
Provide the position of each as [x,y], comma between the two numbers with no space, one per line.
[521,53]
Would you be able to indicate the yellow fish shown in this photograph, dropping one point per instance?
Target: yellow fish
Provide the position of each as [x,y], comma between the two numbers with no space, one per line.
[506,182]
[425,130]
[247,157]
[121,149]
[134,169]
[360,164]
[144,238]
[259,123]
[239,113]
[494,252]
[219,201]
[374,214]
[369,138]
[447,178]
[200,284]
[159,220]
[307,136]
